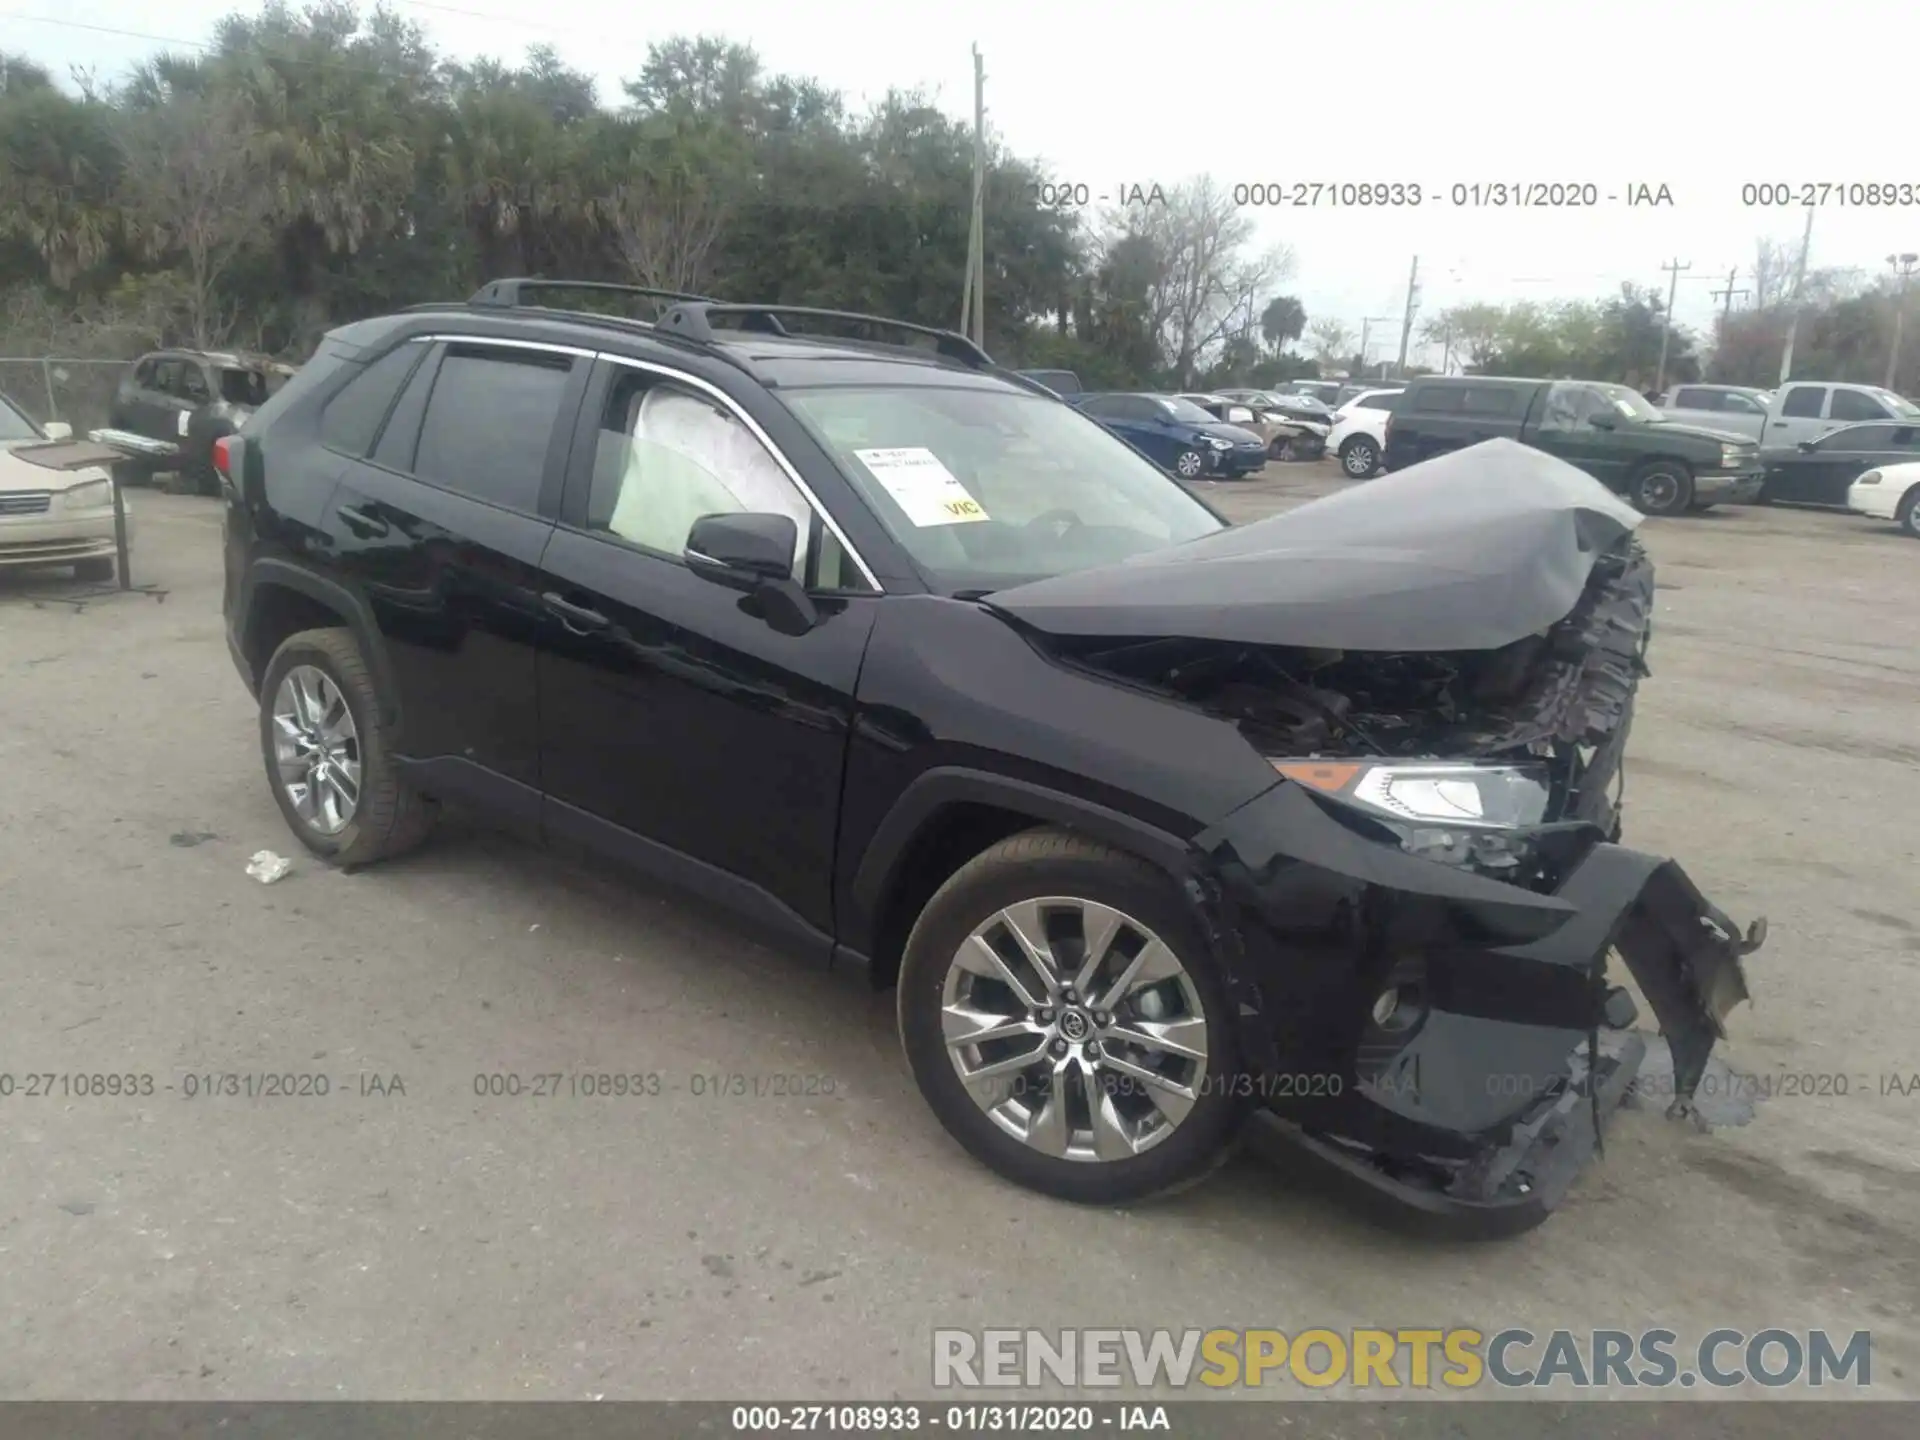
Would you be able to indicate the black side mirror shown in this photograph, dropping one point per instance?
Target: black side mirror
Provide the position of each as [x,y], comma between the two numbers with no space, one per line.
[1806,447]
[753,552]
[1600,422]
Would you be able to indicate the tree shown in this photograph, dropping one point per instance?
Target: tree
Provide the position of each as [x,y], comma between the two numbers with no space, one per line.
[1329,340]
[1282,322]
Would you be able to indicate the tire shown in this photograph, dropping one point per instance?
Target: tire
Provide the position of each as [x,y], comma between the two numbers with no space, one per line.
[99,569]
[1189,464]
[389,816]
[1907,516]
[1661,487]
[1047,864]
[1360,458]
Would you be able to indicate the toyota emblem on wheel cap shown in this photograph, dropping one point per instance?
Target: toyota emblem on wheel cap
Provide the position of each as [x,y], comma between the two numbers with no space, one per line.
[1073,1025]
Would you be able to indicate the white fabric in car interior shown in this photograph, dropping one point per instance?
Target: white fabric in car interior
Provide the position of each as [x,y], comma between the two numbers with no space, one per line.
[689,458]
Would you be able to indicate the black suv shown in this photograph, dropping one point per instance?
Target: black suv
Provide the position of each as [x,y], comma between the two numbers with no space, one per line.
[901,659]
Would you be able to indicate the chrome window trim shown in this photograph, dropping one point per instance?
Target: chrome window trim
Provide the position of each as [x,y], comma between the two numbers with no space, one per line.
[714,392]
[539,345]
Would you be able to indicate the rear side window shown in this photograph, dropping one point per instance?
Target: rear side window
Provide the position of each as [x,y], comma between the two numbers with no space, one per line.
[1803,401]
[243,387]
[1852,405]
[352,418]
[1697,399]
[1440,400]
[489,421]
[1488,400]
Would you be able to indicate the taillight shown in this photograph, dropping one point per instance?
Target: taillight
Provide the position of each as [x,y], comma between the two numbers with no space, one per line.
[223,456]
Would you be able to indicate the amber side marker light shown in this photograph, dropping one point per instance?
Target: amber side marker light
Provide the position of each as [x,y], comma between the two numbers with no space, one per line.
[1318,774]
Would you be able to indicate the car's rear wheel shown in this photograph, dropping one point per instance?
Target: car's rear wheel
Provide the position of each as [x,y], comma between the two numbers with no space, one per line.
[97,569]
[1188,464]
[1661,487]
[1063,1017]
[1908,515]
[1360,457]
[327,758]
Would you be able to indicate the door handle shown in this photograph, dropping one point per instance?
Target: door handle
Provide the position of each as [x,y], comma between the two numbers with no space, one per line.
[366,526]
[576,618]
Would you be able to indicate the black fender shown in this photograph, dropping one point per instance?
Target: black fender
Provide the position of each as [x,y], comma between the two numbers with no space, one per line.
[354,610]
[934,790]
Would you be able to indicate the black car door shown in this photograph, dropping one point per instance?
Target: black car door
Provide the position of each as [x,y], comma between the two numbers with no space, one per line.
[440,529]
[1821,475]
[679,730]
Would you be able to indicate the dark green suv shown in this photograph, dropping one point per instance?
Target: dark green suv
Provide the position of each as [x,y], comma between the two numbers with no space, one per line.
[1610,431]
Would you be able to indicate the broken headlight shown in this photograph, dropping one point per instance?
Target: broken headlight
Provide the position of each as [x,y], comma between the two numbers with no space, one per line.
[1455,812]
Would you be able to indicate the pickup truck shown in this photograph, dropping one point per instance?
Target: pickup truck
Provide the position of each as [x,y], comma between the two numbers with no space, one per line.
[1782,419]
[1610,431]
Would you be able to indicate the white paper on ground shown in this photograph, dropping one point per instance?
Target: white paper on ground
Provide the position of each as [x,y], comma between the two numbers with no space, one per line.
[929,492]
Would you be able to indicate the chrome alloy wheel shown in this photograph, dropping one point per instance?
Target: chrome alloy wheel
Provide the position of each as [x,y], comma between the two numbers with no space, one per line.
[1188,464]
[1075,1028]
[316,749]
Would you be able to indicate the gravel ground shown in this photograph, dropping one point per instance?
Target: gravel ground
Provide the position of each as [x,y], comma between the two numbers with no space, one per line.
[404,1237]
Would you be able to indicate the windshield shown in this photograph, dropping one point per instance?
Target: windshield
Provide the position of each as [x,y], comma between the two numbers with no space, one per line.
[989,488]
[243,387]
[1185,410]
[14,425]
[1630,403]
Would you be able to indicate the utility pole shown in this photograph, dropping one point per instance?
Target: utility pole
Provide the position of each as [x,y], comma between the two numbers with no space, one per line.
[1726,315]
[1366,330]
[1673,269]
[972,300]
[1903,264]
[1446,350]
[1406,324]
[1799,281]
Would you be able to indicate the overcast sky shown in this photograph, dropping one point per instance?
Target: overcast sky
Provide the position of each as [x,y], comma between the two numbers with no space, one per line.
[1701,98]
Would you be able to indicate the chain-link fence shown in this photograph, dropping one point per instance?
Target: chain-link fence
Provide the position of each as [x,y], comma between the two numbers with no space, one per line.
[49,387]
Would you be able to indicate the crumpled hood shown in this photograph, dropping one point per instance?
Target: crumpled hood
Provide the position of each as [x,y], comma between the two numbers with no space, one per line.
[1471,550]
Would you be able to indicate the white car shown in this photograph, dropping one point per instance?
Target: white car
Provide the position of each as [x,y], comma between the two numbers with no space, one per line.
[1359,436]
[1891,492]
[51,517]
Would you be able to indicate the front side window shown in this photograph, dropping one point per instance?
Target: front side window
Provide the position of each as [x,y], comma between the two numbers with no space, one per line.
[1739,404]
[1179,408]
[193,384]
[990,488]
[1852,405]
[243,387]
[489,421]
[667,455]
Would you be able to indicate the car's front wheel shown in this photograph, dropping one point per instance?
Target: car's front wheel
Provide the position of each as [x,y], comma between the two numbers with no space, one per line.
[1661,487]
[1908,515]
[327,757]
[1360,457]
[1189,464]
[1064,1019]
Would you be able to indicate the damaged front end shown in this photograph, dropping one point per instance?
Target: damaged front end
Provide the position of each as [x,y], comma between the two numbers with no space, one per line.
[1426,927]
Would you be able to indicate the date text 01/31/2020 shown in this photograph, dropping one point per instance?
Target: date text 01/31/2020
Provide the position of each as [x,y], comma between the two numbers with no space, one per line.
[1375,194]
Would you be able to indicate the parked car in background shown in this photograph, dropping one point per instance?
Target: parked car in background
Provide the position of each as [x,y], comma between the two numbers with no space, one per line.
[1889,492]
[1177,434]
[1285,438]
[191,398]
[1739,408]
[1359,436]
[51,517]
[1061,382]
[1820,472]
[1300,412]
[1610,431]
[1806,410]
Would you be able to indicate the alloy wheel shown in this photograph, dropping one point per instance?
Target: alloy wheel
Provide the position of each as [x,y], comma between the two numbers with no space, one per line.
[316,749]
[1360,460]
[1075,1028]
[1189,464]
[1659,490]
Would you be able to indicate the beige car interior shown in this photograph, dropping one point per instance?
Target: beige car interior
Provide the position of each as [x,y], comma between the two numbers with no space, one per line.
[677,457]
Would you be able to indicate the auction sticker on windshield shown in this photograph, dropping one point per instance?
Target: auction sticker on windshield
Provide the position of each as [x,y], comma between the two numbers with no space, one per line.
[929,492]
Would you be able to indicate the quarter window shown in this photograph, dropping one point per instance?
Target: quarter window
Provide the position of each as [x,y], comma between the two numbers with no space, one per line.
[352,418]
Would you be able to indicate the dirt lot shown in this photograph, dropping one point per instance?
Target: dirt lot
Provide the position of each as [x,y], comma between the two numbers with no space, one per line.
[418,1240]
